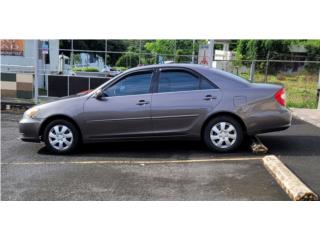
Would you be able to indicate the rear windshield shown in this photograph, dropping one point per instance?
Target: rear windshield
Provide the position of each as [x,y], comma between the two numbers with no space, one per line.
[236,77]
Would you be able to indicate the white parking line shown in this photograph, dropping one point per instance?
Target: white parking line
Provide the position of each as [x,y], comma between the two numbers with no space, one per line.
[135,162]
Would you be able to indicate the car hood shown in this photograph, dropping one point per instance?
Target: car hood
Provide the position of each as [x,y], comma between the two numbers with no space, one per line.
[65,106]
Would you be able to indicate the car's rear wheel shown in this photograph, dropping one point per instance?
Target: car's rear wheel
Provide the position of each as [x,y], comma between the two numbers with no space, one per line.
[223,134]
[61,136]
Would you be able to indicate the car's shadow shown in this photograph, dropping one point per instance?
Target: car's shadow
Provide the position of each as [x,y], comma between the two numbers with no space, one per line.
[149,150]
[279,144]
[292,145]
[301,139]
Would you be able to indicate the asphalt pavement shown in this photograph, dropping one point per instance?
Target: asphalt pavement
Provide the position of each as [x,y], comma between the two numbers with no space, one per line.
[113,171]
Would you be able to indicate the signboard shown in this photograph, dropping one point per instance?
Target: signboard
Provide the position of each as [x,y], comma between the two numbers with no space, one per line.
[203,55]
[160,60]
[45,47]
[12,47]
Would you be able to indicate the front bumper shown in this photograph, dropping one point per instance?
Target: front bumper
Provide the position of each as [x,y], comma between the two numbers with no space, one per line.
[29,129]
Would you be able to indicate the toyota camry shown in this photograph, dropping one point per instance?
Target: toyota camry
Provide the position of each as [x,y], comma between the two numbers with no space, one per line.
[168,101]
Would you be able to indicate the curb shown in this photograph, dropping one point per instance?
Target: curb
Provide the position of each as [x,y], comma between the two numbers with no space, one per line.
[7,105]
[289,182]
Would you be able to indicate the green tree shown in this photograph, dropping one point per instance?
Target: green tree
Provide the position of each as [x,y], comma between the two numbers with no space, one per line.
[130,59]
[174,49]
[258,49]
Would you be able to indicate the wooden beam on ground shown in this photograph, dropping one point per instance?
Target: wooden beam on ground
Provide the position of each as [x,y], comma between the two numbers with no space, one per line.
[288,181]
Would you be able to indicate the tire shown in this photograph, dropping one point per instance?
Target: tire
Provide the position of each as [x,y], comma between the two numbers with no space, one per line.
[61,137]
[223,134]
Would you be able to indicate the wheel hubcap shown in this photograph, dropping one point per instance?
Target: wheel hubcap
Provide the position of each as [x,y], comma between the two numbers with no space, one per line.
[60,137]
[223,134]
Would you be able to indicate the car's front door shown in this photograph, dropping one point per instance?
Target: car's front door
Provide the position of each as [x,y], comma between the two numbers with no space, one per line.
[123,111]
[181,99]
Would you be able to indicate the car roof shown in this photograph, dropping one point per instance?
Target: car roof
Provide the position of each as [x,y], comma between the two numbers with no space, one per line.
[170,65]
[218,75]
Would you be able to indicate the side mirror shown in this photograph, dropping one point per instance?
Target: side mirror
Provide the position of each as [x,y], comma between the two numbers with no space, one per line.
[99,94]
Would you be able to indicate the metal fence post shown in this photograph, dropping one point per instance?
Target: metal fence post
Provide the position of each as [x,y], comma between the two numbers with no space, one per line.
[266,68]
[68,81]
[36,74]
[211,52]
[318,94]
[72,55]
[252,69]
[106,53]
[193,51]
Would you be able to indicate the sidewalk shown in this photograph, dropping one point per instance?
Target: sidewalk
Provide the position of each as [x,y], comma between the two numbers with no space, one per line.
[309,115]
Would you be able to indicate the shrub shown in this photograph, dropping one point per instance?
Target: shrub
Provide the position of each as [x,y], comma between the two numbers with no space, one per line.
[120,68]
[85,69]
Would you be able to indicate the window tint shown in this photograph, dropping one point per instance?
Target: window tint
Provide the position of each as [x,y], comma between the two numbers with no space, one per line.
[205,84]
[173,81]
[138,83]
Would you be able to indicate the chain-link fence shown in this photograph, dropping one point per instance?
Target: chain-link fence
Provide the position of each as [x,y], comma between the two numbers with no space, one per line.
[300,78]
[89,66]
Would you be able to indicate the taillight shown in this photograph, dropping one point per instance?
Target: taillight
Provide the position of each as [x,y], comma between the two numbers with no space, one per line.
[280,96]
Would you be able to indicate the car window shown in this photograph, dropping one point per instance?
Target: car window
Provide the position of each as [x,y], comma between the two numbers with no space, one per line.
[174,81]
[137,83]
[206,84]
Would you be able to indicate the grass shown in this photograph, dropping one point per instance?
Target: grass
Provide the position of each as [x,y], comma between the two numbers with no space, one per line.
[301,89]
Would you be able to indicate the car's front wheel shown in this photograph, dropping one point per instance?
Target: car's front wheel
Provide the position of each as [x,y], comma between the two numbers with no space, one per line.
[223,134]
[61,136]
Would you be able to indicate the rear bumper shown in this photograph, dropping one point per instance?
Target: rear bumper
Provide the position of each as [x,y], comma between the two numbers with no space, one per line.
[270,121]
[29,130]
[276,129]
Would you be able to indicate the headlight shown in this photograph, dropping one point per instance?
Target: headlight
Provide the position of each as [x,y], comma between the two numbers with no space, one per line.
[32,112]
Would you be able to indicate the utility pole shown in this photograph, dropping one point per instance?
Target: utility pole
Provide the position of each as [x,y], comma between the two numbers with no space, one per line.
[36,73]
[211,52]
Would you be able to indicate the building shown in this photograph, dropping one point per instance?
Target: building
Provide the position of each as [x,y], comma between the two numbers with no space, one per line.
[17,65]
[18,55]
[221,58]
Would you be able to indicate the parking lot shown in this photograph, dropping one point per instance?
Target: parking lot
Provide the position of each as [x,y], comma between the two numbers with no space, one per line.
[154,170]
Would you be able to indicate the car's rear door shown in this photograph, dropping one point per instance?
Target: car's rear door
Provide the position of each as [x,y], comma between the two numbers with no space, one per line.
[124,111]
[180,99]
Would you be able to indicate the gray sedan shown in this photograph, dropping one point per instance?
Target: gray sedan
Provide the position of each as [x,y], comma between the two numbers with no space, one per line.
[175,101]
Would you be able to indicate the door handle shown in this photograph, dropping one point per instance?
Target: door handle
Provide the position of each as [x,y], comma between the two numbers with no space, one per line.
[142,102]
[209,98]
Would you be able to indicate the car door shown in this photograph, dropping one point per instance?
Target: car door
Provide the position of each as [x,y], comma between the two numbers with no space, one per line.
[124,109]
[181,99]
